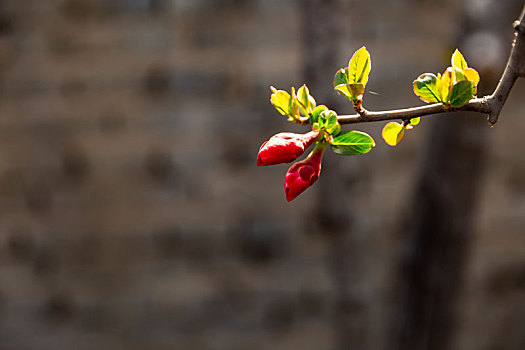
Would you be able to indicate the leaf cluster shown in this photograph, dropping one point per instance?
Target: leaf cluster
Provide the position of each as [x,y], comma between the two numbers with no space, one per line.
[454,88]
[297,106]
[350,81]
[300,107]
[343,143]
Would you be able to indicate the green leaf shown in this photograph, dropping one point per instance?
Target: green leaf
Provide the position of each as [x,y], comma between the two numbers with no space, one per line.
[281,100]
[458,61]
[325,116]
[461,93]
[321,122]
[352,142]
[332,120]
[332,126]
[415,121]
[427,87]
[314,116]
[393,133]
[341,77]
[335,130]
[359,67]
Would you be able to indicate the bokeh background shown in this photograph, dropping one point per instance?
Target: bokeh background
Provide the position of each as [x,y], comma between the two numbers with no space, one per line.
[132,215]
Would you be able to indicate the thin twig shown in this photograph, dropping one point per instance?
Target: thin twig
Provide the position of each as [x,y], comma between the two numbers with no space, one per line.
[490,105]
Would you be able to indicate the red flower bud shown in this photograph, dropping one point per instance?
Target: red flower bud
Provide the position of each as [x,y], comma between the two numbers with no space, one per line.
[303,174]
[285,147]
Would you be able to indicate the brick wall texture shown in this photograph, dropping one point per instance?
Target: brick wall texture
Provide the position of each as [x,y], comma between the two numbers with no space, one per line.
[132,215]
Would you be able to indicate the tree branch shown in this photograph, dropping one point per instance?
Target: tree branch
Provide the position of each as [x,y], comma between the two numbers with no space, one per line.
[475,105]
[490,105]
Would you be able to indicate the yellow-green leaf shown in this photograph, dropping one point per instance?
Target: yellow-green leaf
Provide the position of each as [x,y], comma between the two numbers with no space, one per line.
[471,75]
[357,90]
[393,133]
[293,112]
[344,89]
[303,96]
[428,87]
[447,82]
[459,76]
[458,61]
[281,100]
[359,67]
[415,121]
[351,91]
[313,104]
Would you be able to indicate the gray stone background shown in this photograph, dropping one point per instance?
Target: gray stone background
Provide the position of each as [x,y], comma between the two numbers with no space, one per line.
[132,215]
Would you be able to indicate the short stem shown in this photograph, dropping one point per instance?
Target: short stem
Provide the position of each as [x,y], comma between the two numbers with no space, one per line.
[318,150]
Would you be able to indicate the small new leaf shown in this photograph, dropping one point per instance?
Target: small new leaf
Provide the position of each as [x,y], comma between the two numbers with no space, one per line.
[352,143]
[458,61]
[303,96]
[472,75]
[344,89]
[459,75]
[293,107]
[314,116]
[313,104]
[461,93]
[415,121]
[353,91]
[357,90]
[332,125]
[393,133]
[359,67]
[280,99]
[341,77]
[463,72]
[427,87]
[447,82]
[325,117]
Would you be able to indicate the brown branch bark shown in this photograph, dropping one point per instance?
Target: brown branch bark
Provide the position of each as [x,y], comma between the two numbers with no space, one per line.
[475,105]
[490,105]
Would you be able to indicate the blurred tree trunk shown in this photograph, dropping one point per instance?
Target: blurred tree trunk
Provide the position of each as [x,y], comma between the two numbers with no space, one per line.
[439,233]
[334,215]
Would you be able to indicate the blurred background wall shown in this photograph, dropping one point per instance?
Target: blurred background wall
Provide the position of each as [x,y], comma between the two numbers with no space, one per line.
[132,215]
